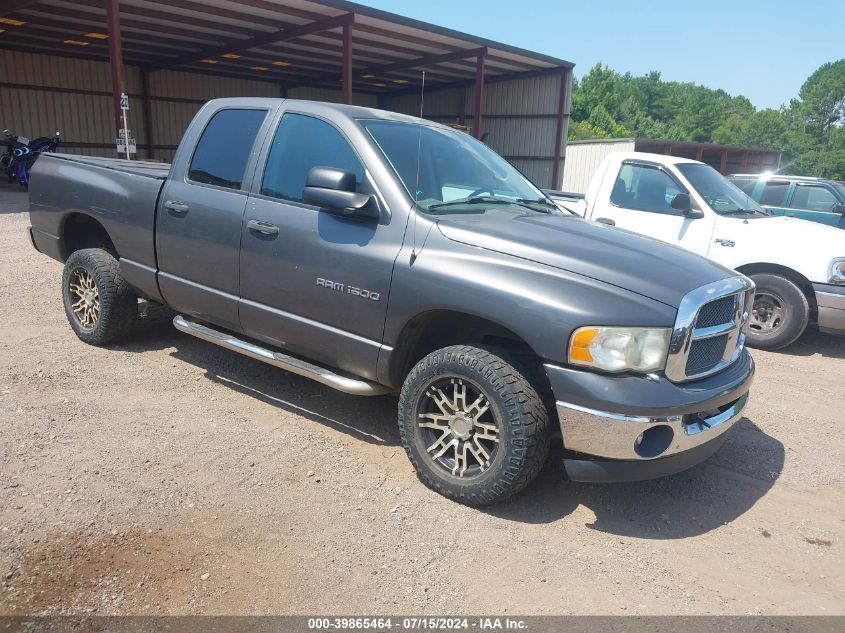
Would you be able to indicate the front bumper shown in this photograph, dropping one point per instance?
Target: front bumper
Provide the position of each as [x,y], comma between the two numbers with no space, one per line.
[631,427]
[830,300]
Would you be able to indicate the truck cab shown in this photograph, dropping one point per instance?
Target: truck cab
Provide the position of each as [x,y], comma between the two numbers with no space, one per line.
[814,199]
[798,266]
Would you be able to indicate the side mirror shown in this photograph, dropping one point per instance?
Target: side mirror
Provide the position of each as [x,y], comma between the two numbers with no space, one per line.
[839,208]
[683,203]
[334,190]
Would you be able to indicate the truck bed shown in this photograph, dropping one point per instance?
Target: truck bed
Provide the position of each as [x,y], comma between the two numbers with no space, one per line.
[120,195]
[145,168]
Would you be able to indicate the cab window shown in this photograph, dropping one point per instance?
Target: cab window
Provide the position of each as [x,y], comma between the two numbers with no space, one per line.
[645,188]
[774,193]
[301,143]
[223,150]
[813,198]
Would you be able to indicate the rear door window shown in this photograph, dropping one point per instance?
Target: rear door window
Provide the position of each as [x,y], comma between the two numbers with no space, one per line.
[813,198]
[223,150]
[774,193]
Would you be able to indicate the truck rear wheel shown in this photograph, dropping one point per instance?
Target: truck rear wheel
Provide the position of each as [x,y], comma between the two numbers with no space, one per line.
[99,305]
[780,313]
[474,428]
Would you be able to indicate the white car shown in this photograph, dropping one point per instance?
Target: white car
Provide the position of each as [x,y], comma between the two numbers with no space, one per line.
[797,266]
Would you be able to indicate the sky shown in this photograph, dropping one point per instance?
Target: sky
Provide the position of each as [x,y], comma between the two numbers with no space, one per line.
[763,50]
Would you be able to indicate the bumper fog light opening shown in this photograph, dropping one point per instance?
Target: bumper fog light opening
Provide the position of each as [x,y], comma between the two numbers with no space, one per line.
[654,441]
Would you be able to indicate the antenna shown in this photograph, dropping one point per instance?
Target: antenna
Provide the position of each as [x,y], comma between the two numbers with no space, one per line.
[417,185]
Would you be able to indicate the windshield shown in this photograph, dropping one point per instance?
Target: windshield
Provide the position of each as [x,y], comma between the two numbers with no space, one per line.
[722,196]
[457,173]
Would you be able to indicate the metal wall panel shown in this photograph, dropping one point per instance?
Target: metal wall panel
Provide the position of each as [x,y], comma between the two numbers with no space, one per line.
[520,124]
[438,103]
[332,96]
[170,83]
[583,159]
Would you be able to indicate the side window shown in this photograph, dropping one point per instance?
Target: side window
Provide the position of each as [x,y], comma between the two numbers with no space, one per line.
[645,188]
[746,185]
[774,193]
[223,150]
[302,142]
[813,198]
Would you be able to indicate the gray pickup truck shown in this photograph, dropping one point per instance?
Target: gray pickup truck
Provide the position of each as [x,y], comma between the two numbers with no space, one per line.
[378,253]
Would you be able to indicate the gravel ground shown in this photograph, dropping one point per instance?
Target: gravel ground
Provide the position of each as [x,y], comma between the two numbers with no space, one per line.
[168,476]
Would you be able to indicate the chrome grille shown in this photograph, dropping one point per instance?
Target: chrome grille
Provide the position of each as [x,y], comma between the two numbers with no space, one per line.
[708,330]
[705,354]
[717,312]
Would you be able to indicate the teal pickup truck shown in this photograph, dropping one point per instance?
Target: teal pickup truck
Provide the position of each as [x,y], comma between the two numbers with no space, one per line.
[812,199]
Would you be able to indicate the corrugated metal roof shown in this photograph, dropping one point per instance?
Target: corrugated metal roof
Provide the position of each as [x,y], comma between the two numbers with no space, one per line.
[195,35]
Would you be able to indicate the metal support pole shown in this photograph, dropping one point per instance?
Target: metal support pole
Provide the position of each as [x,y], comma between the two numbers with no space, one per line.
[562,116]
[148,114]
[478,107]
[347,63]
[115,58]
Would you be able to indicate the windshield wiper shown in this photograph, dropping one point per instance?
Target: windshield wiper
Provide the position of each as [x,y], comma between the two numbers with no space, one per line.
[745,211]
[543,201]
[493,200]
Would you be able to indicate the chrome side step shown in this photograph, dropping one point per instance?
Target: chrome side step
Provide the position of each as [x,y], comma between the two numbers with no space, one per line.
[354,386]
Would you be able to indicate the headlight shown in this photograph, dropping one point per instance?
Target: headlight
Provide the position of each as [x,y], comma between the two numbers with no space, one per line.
[836,274]
[641,349]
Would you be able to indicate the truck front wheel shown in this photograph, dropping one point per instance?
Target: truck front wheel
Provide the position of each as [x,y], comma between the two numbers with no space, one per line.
[473,426]
[780,313]
[99,305]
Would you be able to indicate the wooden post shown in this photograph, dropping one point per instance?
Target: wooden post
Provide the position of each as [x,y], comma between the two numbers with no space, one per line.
[115,59]
[347,64]
[562,114]
[744,164]
[478,108]
[699,154]
[723,166]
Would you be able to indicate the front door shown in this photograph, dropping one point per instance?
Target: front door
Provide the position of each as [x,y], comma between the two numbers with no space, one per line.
[311,281]
[640,200]
[199,220]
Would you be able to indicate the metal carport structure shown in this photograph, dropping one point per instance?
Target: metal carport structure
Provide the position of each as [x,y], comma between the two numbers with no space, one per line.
[323,49]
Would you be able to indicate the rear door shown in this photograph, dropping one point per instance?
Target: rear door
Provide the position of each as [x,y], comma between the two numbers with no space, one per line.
[311,281]
[816,202]
[638,197]
[199,218]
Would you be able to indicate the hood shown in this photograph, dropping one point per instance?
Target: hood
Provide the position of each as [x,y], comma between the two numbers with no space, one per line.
[786,231]
[635,263]
[805,246]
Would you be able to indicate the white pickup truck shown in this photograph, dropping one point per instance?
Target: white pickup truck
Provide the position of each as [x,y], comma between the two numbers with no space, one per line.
[798,266]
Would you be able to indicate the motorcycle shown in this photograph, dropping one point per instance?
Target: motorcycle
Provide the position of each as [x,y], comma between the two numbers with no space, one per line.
[21,153]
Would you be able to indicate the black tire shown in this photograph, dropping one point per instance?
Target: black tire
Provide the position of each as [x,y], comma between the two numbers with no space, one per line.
[780,313]
[118,306]
[515,409]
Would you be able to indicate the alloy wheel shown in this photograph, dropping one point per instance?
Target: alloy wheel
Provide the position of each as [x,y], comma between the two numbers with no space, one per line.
[85,297]
[460,433]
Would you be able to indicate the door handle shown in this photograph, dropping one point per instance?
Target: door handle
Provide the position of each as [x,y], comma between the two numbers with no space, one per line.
[265,228]
[607,221]
[179,208]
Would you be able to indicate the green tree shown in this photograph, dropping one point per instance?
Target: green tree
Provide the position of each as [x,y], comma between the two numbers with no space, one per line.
[823,97]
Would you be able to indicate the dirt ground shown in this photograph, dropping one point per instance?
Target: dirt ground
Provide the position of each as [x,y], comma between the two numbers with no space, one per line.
[168,476]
